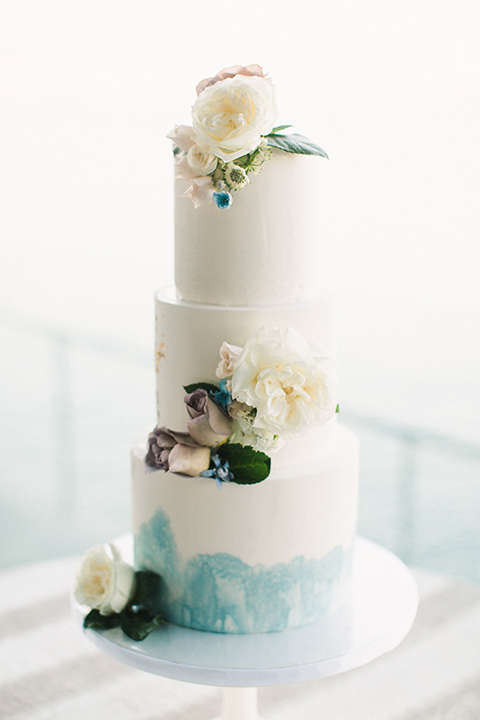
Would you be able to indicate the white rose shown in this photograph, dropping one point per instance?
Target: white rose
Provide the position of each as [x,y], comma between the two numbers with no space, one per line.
[289,388]
[231,116]
[104,581]
[228,355]
[201,161]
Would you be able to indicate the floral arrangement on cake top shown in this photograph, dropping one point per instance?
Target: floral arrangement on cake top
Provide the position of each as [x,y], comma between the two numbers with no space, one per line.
[270,389]
[232,135]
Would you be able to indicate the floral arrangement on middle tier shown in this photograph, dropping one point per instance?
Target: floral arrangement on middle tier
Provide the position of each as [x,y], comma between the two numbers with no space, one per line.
[269,390]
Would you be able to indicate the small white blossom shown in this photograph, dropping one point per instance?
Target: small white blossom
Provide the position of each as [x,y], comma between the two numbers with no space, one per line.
[235,176]
[263,153]
[245,433]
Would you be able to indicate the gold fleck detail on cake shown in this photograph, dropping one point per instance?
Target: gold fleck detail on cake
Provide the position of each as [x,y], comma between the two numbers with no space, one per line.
[159,354]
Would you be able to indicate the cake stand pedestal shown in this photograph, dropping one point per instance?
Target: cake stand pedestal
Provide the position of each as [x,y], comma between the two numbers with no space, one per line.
[381,612]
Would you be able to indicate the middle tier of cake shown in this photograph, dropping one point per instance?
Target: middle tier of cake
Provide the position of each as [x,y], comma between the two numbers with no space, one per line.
[188,341]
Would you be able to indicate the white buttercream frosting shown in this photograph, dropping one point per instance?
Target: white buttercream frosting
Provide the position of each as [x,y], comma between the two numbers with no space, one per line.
[264,249]
[256,523]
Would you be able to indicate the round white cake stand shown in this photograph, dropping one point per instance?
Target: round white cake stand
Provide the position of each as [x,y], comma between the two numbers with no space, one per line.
[381,612]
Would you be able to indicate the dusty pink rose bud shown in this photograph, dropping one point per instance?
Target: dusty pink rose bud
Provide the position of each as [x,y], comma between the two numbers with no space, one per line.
[229,73]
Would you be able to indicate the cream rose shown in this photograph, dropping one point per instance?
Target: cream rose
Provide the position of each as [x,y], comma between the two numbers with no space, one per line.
[201,161]
[228,355]
[277,375]
[104,581]
[231,116]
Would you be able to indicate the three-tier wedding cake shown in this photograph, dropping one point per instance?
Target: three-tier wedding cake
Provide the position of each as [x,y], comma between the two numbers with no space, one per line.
[246,504]
[245,495]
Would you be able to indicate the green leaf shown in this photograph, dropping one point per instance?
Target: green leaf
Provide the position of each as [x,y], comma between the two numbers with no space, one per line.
[337,409]
[200,386]
[96,621]
[279,128]
[147,590]
[138,624]
[248,466]
[244,161]
[297,144]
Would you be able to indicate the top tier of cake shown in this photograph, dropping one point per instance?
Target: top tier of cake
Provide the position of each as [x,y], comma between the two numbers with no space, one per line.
[264,249]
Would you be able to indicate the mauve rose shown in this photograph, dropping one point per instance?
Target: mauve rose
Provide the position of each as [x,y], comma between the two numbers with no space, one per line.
[229,73]
[176,452]
[209,425]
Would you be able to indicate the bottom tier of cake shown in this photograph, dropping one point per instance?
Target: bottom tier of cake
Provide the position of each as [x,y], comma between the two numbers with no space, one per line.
[249,558]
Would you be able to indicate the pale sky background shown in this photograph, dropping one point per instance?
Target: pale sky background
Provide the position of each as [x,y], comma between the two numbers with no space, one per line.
[88,92]
[391,90]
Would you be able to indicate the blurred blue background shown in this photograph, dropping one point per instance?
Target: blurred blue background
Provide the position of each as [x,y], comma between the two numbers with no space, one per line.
[87,94]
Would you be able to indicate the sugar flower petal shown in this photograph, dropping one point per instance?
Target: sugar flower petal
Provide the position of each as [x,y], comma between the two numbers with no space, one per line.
[200,191]
[189,460]
[209,424]
[219,421]
[183,137]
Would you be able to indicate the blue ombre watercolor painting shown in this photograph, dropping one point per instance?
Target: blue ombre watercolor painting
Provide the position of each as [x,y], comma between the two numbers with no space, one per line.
[221,593]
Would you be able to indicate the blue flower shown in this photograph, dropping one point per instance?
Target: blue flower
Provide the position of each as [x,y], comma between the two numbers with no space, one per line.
[223,397]
[223,199]
[220,472]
